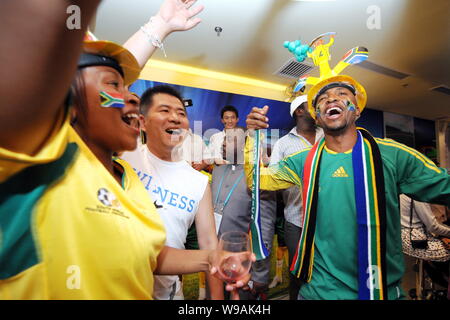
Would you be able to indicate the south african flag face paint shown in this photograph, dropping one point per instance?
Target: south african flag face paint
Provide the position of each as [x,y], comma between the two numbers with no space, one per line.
[111,100]
[351,106]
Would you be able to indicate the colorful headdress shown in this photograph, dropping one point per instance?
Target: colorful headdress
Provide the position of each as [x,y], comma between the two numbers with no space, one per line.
[318,51]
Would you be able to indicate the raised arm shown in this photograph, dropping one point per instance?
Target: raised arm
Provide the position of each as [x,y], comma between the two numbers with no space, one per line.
[173,15]
[275,177]
[38,61]
[419,178]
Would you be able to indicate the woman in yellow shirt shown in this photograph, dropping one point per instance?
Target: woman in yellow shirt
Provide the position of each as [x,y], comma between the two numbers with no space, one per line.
[74,224]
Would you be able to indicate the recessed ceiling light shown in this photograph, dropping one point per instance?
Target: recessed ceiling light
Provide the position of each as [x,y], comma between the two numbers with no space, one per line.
[314,0]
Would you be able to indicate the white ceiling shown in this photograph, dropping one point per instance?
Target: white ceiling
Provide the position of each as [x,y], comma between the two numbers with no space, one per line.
[414,38]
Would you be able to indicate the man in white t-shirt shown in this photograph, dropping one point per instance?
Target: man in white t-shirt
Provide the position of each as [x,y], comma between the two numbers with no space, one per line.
[181,194]
[229,117]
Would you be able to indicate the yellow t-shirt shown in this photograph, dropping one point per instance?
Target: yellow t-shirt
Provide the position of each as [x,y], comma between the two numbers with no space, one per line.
[68,230]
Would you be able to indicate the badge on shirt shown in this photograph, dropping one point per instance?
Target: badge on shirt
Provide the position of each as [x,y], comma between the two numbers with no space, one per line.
[218,220]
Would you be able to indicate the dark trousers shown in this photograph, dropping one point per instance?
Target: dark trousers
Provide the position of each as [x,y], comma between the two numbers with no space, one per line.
[291,237]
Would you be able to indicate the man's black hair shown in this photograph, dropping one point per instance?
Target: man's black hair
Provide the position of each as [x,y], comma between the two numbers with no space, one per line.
[147,96]
[229,108]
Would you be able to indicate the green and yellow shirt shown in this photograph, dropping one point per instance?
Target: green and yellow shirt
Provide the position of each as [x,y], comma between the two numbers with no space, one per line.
[68,230]
[335,270]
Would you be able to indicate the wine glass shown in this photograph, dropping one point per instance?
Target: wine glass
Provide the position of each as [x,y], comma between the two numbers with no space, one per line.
[234,256]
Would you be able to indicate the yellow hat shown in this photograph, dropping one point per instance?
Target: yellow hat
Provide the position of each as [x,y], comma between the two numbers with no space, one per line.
[124,58]
[319,53]
[361,95]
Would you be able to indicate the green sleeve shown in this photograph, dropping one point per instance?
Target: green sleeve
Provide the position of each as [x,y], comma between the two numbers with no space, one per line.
[291,168]
[420,178]
[281,175]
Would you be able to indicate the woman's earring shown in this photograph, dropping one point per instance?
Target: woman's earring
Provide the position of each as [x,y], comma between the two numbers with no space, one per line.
[73,116]
[143,136]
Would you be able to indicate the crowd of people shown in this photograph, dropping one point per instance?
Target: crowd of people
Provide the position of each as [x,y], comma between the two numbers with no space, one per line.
[100,188]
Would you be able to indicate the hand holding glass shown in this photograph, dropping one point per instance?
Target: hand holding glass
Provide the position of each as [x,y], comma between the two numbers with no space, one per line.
[234,260]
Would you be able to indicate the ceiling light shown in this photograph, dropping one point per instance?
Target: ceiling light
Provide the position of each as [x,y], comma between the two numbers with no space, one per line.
[214,74]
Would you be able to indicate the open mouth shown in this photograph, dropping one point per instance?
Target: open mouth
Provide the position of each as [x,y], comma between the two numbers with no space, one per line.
[174,131]
[333,112]
[131,119]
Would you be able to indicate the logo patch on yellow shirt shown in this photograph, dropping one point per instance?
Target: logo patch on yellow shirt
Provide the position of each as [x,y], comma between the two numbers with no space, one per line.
[340,173]
[109,204]
[107,198]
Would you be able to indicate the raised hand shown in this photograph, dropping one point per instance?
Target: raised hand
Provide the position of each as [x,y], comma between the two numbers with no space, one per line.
[173,15]
[257,119]
[178,15]
[232,260]
[232,287]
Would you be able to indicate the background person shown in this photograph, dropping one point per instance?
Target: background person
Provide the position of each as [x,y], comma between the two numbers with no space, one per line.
[422,216]
[195,151]
[232,206]
[229,117]
[282,251]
